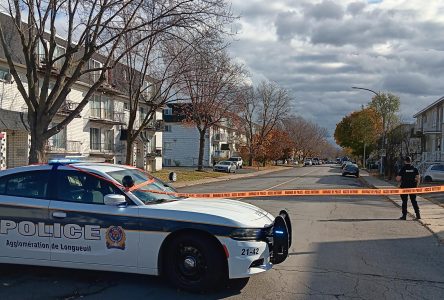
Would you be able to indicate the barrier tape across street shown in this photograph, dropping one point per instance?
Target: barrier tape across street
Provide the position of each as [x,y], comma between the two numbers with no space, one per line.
[326,192]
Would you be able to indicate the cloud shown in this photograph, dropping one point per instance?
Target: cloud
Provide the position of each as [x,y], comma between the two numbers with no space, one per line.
[356,8]
[319,49]
[325,10]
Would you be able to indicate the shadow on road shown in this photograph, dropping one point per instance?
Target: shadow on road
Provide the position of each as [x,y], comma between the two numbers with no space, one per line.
[28,282]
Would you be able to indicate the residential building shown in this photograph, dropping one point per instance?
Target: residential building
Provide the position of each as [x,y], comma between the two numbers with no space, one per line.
[181,139]
[97,132]
[429,125]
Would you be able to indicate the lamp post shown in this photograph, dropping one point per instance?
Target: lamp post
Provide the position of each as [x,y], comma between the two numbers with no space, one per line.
[381,168]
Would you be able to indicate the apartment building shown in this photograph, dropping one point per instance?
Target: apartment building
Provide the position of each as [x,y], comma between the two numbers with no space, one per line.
[429,125]
[99,131]
[181,140]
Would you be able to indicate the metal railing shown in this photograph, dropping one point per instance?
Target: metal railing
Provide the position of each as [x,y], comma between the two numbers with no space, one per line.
[107,115]
[64,146]
[102,147]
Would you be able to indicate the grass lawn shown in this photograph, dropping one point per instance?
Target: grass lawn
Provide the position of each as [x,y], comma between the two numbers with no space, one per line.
[187,174]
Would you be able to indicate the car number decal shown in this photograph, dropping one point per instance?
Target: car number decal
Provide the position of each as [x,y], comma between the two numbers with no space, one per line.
[250,251]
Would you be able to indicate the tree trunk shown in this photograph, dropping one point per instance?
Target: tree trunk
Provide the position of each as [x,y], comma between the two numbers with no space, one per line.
[37,127]
[37,150]
[201,149]
[129,151]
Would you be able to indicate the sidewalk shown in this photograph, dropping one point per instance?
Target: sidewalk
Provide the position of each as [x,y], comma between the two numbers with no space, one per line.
[432,214]
[228,177]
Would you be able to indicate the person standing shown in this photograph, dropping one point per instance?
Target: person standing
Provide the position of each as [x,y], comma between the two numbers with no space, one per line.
[409,178]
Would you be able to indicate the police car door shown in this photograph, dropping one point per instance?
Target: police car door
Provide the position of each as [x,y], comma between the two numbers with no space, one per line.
[88,231]
[24,229]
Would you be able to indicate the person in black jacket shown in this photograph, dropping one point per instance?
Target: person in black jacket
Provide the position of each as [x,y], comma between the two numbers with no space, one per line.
[409,178]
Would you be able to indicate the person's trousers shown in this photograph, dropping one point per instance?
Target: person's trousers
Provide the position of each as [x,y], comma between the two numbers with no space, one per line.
[405,199]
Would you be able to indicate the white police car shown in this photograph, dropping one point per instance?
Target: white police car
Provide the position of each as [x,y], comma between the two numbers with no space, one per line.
[87,216]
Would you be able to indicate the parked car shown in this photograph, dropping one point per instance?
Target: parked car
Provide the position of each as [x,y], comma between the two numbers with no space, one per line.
[351,169]
[237,160]
[434,173]
[316,161]
[308,161]
[118,218]
[225,166]
[345,163]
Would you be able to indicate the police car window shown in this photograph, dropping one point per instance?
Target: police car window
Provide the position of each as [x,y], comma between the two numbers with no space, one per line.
[81,187]
[144,193]
[27,184]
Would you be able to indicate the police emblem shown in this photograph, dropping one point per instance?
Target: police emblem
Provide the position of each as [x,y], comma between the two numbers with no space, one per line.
[115,238]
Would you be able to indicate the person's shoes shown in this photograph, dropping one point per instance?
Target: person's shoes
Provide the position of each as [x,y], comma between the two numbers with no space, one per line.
[418,217]
[403,218]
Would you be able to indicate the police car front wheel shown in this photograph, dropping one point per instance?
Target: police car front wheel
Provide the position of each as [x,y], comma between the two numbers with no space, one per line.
[195,263]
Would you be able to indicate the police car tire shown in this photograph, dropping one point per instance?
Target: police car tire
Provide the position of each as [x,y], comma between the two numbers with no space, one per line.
[212,263]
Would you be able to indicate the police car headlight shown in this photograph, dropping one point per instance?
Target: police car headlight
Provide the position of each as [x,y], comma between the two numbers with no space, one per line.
[247,234]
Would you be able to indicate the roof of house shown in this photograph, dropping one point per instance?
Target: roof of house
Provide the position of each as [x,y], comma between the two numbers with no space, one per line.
[440,100]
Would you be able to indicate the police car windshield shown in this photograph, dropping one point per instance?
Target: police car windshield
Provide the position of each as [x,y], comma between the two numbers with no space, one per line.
[143,193]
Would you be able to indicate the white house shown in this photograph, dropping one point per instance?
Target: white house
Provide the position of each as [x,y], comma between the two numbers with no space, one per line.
[429,124]
[98,132]
[181,140]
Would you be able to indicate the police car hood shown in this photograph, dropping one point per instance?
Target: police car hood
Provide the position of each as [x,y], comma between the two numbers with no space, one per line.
[215,211]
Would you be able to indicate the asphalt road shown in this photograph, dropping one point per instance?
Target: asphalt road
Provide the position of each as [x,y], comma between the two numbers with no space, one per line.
[343,248]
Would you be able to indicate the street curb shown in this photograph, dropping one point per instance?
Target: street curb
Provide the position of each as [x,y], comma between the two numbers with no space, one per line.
[228,177]
[423,222]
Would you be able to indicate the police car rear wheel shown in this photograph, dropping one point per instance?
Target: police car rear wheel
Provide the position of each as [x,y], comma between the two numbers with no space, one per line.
[194,263]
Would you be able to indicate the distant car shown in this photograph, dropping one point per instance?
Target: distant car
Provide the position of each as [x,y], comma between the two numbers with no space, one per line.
[351,169]
[316,161]
[434,173]
[308,162]
[225,166]
[345,163]
[237,160]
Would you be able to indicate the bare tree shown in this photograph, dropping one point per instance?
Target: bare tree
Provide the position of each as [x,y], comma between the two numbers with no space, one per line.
[92,28]
[154,68]
[309,138]
[211,82]
[262,108]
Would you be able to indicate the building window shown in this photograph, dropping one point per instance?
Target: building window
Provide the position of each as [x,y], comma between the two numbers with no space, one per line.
[167,145]
[58,140]
[167,162]
[168,111]
[94,64]
[94,138]
[142,114]
[95,106]
[168,128]
[109,139]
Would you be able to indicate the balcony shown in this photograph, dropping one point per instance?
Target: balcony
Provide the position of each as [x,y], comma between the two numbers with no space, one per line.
[158,125]
[56,66]
[107,116]
[102,148]
[435,156]
[224,154]
[63,146]
[67,107]
[153,154]
[219,138]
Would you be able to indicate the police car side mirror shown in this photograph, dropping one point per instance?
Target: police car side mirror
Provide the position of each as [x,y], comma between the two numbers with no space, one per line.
[172,177]
[114,199]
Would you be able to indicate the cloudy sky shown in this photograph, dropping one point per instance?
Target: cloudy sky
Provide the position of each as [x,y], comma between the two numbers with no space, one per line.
[319,49]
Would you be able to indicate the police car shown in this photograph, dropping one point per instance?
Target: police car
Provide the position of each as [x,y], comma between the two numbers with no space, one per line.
[110,217]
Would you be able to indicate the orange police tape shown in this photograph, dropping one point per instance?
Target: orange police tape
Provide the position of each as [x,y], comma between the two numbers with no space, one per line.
[329,192]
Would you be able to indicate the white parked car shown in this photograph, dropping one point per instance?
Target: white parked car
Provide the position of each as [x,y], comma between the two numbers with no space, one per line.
[225,166]
[434,173]
[237,160]
[115,218]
